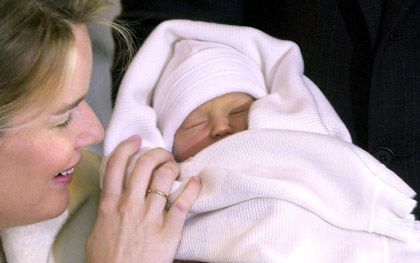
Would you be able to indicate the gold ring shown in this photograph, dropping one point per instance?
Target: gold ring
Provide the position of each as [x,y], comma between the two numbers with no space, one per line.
[156,191]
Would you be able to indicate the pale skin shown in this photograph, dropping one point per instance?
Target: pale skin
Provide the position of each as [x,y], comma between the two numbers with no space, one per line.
[214,120]
[38,158]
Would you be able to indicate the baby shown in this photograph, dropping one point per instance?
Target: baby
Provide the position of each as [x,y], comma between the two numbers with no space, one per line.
[288,185]
[204,94]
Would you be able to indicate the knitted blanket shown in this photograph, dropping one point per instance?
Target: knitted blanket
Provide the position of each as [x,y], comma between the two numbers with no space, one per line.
[284,196]
[292,188]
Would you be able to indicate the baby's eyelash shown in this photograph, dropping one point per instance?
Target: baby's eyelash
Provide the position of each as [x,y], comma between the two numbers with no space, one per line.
[66,123]
[239,111]
[196,124]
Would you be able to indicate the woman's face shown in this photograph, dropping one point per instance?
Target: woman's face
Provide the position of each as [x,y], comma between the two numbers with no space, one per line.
[37,160]
[210,122]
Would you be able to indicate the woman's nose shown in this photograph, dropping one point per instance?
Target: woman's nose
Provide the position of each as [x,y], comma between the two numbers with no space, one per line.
[221,127]
[93,132]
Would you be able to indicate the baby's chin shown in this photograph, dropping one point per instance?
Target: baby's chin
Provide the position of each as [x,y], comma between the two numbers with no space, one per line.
[185,155]
[188,153]
[181,157]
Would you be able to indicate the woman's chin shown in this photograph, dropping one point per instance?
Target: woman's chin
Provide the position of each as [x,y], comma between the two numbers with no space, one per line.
[34,217]
[57,207]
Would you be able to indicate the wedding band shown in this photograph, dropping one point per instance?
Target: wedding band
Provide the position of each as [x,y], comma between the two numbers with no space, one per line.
[156,191]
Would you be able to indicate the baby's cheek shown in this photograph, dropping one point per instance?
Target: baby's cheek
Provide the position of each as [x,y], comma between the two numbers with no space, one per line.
[190,143]
[239,124]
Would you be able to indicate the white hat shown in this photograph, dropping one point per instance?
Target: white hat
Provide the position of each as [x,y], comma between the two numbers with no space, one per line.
[198,72]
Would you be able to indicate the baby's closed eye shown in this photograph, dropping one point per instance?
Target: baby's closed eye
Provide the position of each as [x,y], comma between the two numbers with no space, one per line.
[237,112]
[240,110]
[194,123]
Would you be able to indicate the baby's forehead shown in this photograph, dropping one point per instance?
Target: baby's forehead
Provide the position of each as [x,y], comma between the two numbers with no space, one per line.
[229,100]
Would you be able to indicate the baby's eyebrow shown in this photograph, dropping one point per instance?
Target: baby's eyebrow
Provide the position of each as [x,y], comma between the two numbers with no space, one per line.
[196,114]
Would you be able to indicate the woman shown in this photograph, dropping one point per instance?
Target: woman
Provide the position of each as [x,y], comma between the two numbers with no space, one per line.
[45,124]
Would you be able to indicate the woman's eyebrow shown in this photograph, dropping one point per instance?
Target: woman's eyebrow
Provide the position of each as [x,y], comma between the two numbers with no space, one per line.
[70,106]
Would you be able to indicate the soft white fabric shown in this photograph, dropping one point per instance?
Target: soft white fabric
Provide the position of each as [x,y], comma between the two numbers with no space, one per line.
[303,107]
[272,195]
[198,72]
[32,243]
[292,188]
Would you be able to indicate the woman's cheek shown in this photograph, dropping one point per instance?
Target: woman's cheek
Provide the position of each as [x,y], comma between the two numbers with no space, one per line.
[56,153]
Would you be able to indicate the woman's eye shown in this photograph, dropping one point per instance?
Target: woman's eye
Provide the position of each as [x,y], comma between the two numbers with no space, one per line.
[66,123]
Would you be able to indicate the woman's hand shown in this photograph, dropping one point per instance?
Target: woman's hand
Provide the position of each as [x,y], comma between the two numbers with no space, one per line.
[132,225]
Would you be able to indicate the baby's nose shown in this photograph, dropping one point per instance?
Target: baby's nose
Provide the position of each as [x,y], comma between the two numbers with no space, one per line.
[221,127]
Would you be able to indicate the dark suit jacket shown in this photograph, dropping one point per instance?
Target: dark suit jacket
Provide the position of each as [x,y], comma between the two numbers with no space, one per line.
[363,54]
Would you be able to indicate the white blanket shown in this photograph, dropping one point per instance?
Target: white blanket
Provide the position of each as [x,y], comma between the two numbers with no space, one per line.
[290,189]
[284,196]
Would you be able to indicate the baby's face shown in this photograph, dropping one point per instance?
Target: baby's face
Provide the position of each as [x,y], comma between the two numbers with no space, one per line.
[210,122]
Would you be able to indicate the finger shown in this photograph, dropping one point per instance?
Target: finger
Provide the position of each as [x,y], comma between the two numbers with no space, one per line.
[117,164]
[177,214]
[162,181]
[142,173]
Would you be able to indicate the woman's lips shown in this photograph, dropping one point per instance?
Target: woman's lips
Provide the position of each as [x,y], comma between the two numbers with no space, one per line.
[64,177]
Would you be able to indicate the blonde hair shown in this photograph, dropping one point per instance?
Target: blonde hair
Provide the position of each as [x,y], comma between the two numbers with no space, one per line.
[36,41]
